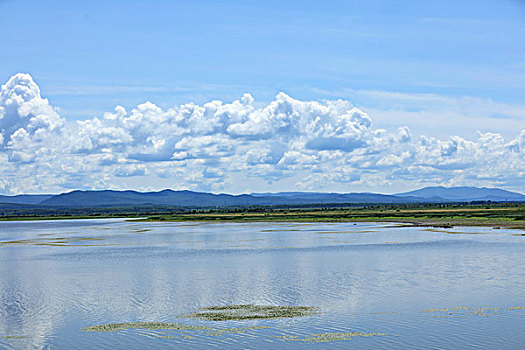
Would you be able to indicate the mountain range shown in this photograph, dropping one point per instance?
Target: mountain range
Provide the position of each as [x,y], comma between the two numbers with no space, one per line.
[110,198]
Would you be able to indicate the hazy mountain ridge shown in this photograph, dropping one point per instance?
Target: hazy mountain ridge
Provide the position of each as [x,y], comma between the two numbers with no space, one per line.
[25,198]
[203,199]
[465,194]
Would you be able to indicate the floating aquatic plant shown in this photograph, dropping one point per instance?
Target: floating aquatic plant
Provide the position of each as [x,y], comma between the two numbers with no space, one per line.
[162,326]
[516,308]
[459,311]
[115,327]
[251,312]
[237,330]
[329,337]
[14,336]
[448,309]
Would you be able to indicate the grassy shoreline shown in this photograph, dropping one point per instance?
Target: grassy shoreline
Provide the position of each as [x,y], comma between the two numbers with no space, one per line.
[498,216]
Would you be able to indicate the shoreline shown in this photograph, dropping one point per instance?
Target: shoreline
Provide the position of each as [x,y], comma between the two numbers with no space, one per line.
[496,217]
[510,217]
[436,224]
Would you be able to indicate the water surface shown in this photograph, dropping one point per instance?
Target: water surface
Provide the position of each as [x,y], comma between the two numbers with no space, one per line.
[405,287]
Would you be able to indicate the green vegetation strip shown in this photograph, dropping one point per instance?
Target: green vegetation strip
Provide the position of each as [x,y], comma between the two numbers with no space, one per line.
[157,326]
[215,313]
[508,215]
[511,216]
[254,312]
[251,312]
[329,337]
[115,327]
[460,311]
[14,336]
[516,308]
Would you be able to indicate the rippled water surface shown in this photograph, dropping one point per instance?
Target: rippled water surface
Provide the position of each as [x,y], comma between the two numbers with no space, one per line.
[377,286]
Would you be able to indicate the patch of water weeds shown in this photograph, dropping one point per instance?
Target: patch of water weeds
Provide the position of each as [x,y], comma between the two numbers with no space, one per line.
[512,308]
[448,309]
[53,241]
[237,330]
[212,332]
[187,337]
[251,312]
[14,336]
[329,337]
[463,311]
[115,327]
[186,332]
[484,311]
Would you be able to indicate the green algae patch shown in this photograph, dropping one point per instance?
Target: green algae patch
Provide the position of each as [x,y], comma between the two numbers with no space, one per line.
[184,336]
[484,311]
[462,311]
[115,327]
[448,309]
[330,337]
[14,337]
[179,331]
[512,308]
[252,312]
[237,330]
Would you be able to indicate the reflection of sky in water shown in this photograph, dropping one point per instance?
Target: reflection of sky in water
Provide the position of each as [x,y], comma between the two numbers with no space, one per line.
[364,277]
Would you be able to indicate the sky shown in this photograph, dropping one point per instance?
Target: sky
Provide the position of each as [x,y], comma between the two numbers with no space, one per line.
[261,96]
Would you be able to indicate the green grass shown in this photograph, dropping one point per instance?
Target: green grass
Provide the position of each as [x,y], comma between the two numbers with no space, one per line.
[495,216]
[438,215]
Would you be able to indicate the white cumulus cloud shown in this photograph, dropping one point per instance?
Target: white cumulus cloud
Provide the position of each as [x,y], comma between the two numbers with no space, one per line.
[285,144]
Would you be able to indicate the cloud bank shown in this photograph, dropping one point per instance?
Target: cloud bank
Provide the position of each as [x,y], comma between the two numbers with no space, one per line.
[241,146]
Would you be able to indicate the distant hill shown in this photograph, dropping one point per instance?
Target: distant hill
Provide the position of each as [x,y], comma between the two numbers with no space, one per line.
[127,198]
[25,198]
[288,194]
[110,198]
[201,199]
[467,194]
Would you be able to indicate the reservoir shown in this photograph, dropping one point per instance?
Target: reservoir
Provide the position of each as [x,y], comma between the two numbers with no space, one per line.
[117,284]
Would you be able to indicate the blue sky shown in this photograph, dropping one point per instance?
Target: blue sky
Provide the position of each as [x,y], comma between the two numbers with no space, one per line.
[442,69]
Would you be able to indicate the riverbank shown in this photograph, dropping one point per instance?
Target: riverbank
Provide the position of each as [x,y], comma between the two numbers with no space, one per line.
[497,217]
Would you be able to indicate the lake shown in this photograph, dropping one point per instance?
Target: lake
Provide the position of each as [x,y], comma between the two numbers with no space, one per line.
[373,286]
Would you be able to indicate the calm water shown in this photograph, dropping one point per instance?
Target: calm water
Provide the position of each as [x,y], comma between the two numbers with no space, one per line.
[57,277]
